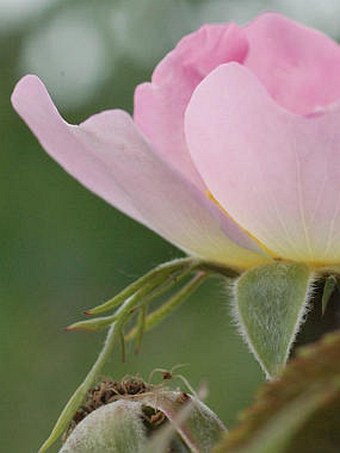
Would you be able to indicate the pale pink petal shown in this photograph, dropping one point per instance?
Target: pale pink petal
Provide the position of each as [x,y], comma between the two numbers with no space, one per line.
[160,105]
[276,173]
[108,155]
[299,66]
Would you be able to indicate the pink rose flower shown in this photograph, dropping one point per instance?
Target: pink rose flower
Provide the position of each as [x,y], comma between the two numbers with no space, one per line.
[233,154]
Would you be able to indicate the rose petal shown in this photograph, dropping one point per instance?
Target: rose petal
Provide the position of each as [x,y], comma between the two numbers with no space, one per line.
[299,66]
[276,173]
[107,154]
[160,105]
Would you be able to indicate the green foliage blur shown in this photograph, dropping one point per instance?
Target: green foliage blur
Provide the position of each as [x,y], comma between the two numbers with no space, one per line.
[64,250]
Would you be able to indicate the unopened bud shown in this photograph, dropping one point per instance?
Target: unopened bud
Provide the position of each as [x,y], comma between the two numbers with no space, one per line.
[123,416]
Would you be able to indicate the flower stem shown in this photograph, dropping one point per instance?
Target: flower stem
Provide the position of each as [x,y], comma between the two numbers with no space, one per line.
[75,401]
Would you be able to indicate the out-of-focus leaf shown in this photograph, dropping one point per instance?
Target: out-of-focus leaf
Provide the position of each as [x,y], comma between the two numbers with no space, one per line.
[299,412]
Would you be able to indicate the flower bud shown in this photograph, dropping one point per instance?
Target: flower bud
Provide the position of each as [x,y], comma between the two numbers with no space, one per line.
[115,427]
[130,415]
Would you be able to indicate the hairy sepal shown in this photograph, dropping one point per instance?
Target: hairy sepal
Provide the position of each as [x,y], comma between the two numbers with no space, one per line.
[270,304]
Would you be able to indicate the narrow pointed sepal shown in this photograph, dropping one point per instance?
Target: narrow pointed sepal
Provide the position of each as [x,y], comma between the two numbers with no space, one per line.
[329,287]
[92,325]
[270,304]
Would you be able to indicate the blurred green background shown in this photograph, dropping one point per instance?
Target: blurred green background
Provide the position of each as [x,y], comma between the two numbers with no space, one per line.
[64,250]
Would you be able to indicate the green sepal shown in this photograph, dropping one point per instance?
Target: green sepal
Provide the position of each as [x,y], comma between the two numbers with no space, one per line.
[270,303]
[164,273]
[169,305]
[330,284]
[140,328]
[92,325]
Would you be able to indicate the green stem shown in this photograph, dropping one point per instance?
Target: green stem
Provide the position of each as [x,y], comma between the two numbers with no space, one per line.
[76,399]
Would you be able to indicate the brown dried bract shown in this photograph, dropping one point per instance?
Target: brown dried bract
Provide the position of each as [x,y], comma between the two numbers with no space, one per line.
[108,391]
[167,375]
[183,398]
[152,418]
